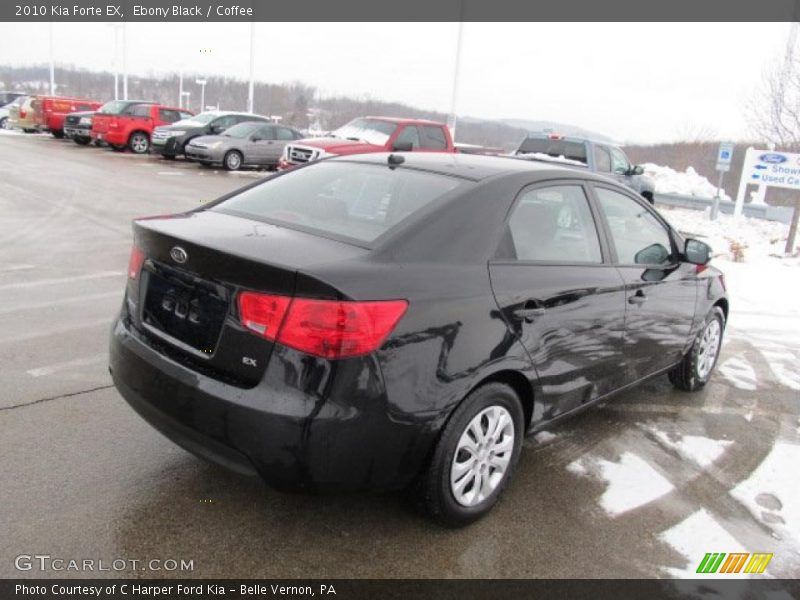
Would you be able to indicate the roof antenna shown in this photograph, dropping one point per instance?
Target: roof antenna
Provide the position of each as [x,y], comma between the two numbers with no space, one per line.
[396,159]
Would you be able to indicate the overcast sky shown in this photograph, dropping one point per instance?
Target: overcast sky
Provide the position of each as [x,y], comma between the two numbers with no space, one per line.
[634,82]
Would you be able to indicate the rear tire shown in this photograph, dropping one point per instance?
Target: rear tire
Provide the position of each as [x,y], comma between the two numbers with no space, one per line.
[58,134]
[139,143]
[4,123]
[83,141]
[475,456]
[232,160]
[29,130]
[694,371]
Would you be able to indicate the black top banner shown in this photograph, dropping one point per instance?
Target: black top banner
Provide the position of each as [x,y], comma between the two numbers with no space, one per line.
[399,10]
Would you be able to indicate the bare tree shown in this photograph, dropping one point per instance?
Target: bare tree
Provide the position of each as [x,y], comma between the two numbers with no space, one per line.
[775,114]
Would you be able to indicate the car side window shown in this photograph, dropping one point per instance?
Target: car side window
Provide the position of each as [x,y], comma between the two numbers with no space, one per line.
[409,134]
[284,133]
[265,133]
[602,159]
[619,162]
[432,137]
[638,236]
[141,110]
[130,110]
[224,122]
[554,224]
[169,115]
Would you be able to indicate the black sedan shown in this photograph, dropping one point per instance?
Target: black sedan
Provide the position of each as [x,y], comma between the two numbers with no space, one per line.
[384,321]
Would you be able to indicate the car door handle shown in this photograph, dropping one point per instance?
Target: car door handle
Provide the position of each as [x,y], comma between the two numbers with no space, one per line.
[529,313]
[638,298]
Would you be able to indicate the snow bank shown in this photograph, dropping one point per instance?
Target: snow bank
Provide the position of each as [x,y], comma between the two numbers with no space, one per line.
[758,238]
[687,183]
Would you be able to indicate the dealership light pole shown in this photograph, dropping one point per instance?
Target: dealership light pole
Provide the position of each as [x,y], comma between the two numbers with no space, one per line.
[52,64]
[115,58]
[456,74]
[180,88]
[202,83]
[124,61]
[252,65]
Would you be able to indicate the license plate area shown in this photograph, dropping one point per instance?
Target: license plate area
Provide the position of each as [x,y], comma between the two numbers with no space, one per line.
[185,309]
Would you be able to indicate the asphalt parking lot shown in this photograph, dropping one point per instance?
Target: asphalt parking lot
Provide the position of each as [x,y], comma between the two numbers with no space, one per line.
[640,487]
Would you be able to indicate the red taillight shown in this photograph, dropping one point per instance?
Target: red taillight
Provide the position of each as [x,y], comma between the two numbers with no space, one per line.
[23,114]
[327,328]
[135,263]
[262,313]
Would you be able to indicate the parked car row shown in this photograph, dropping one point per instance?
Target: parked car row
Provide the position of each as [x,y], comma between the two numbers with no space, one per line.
[234,140]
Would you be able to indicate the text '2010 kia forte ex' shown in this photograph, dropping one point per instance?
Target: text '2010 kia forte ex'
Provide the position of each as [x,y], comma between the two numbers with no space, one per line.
[388,320]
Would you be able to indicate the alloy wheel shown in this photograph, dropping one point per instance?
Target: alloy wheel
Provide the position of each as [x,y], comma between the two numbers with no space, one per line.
[482,456]
[709,346]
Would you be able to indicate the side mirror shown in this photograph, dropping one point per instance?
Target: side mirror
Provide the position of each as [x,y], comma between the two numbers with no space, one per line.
[255,138]
[697,252]
[216,129]
[636,170]
[654,254]
[402,147]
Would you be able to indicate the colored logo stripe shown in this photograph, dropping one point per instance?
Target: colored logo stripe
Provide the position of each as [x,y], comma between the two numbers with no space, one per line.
[733,564]
[711,562]
[758,563]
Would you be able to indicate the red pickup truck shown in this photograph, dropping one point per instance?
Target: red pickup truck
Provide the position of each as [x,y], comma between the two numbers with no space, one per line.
[129,123]
[54,109]
[371,134]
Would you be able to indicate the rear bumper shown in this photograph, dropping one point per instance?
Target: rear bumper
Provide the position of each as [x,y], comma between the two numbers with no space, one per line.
[205,155]
[80,132]
[307,426]
[117,138]
[167,146]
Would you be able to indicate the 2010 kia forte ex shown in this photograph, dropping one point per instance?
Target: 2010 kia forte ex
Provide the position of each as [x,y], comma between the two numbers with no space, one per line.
[385,321]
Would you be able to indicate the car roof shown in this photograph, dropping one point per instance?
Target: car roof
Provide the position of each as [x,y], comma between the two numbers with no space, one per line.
[544,135]
[475,167]
[400,120]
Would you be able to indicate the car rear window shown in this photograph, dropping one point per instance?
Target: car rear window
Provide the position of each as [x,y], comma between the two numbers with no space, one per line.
[556,148]
[351,200]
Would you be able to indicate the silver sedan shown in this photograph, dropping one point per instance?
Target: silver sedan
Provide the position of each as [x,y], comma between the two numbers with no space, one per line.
[251,143]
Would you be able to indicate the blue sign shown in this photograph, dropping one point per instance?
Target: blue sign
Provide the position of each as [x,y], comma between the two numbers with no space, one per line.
[772,158]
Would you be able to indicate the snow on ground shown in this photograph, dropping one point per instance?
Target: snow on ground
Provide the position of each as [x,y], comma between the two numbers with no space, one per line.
[699,449]
[693,537]
[739,373]
[632,482]
[770,493]
[760,238]
[686,183]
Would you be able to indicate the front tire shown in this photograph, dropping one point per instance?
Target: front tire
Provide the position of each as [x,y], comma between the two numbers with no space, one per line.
[694,371]
[232,160]
[83,141]
[139,143]
[475,456]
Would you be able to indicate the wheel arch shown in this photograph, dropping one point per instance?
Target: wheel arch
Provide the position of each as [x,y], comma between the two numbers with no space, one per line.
[517,382]
[723,305]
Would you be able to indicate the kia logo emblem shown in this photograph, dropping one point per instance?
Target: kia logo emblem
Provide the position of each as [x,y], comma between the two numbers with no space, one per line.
[178,254]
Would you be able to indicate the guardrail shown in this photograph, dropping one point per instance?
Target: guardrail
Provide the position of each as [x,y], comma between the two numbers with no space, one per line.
[757,211]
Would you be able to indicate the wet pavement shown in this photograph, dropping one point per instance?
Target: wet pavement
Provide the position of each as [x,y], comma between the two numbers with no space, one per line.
[643,486]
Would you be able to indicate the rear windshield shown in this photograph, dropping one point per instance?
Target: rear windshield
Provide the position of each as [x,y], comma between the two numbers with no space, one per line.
[556,148]
[115,107]
[351,200]
[242,130]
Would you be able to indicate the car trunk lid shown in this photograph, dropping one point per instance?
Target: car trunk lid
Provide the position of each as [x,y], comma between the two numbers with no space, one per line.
[184,301]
